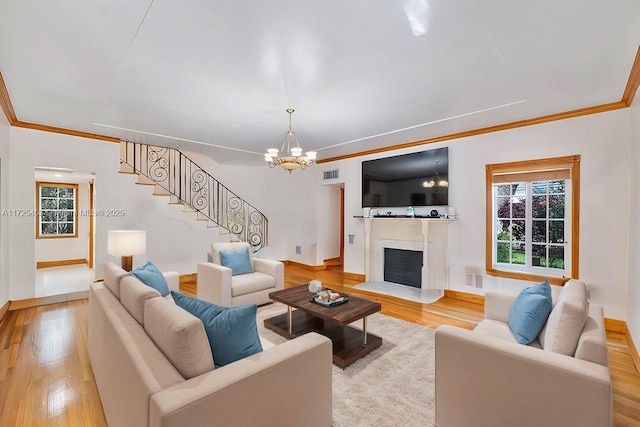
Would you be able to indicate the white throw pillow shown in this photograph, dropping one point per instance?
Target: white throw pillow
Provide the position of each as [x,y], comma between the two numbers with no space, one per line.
[567,319]
[179,335]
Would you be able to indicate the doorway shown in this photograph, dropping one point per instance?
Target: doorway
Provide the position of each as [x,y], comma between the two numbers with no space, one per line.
[65,230]
[336,224]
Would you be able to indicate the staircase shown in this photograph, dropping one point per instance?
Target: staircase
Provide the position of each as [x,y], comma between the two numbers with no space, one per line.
[174,175]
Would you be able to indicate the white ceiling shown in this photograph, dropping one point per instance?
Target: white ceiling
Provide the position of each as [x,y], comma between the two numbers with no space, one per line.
[217,76]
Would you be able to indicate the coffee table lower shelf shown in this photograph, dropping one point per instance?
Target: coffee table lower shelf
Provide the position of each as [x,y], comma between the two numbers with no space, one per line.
[347,341]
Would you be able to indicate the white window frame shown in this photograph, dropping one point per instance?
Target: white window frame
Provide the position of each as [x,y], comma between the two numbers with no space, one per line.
[39,234]
[529,171]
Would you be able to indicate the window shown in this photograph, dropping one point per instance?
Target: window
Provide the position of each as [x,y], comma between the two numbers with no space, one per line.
[533,219]
[57,210]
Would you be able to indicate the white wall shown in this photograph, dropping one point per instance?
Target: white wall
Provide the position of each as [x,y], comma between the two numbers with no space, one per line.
[5,290]
[295,203]
[633,286]
[67,248]
[603,140]
[175,240]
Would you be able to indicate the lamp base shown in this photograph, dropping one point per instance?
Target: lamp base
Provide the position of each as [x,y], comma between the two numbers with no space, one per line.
[127,262]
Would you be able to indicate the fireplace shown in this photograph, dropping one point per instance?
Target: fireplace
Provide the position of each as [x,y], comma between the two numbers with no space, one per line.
[427,241]
[403,266]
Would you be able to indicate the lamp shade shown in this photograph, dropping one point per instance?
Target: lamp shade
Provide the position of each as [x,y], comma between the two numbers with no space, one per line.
[126,242]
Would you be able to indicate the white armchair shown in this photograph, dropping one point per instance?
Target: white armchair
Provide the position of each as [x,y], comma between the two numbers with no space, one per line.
[216,283]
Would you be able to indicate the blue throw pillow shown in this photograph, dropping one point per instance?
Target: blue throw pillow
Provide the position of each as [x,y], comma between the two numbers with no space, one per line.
[151,276]
[232,332]
[238,261]
[530,312]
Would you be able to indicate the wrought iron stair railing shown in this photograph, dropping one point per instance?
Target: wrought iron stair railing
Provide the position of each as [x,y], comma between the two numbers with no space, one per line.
[177,176]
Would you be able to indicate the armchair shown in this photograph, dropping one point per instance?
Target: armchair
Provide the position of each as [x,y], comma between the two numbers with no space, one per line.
[216,283]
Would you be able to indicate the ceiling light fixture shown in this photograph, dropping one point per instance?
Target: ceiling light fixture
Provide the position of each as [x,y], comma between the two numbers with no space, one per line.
[290,156]
[435,181]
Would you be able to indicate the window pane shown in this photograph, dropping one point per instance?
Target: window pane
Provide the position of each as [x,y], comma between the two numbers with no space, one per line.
[65,192]
[539,231]
[65,228]
[519,189]
[518,207]
[47,216]
[65,204]
[65,216]
[556,257]
[503,252]
[49,204]
[539,187]
[49,228]
[517,253]
[539,206]
[539,255]
[48,191]
[556,206]
[556,231]
[503,230]
[518,231]
[556,186]
[504,207]
[503,190]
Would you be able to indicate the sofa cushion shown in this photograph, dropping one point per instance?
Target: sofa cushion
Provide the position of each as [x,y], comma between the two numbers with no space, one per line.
[179,335]
[238,261]
[232,332]
[133,294]
[112,277]
[250,283]
[567,319]
[500,330]
[530,311]
[151,276]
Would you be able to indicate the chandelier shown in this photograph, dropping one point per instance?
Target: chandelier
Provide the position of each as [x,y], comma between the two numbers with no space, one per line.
[290,156]
[435,182]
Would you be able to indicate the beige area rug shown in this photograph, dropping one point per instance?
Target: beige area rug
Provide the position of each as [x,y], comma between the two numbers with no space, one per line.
[391,386]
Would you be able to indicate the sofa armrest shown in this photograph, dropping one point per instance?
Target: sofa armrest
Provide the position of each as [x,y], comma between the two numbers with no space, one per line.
[286,385]
[272,268]
[497,305]
[485,381]
[592,344]
[214,283]
[173,280]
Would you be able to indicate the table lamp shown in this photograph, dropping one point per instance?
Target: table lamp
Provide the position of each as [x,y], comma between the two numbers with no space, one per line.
[125,244]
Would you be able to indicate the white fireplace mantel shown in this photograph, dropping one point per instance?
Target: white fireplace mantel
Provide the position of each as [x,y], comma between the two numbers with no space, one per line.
[430,235]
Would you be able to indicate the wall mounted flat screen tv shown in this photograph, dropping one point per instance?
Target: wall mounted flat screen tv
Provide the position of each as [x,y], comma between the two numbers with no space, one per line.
[415,179]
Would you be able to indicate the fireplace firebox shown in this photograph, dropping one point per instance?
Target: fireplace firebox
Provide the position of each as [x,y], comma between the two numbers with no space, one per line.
[403,266]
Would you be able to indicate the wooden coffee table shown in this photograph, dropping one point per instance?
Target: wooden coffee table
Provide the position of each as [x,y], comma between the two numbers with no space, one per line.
[349,343]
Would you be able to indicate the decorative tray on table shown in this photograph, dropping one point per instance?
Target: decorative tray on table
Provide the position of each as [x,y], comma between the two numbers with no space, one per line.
[330,299]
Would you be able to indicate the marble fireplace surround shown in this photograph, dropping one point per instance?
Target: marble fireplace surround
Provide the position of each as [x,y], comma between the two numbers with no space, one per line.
[428,235]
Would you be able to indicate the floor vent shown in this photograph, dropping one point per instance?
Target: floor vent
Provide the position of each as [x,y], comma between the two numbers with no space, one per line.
[332,174]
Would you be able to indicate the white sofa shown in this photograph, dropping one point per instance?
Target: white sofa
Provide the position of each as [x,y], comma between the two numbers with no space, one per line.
[485,378]
[153,366]
[217,285]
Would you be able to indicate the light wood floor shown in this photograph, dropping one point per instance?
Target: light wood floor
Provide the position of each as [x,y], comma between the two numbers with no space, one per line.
[46,379]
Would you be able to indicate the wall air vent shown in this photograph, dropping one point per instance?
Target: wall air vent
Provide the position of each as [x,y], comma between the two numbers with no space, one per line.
[332,174]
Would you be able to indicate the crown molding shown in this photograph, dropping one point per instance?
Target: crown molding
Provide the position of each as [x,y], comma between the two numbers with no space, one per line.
[5,102]
[505,126]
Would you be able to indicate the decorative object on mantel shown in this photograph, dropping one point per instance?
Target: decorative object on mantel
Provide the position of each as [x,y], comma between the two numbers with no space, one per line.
[289,158]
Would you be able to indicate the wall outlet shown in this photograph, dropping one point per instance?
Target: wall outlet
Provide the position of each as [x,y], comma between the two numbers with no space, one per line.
[469,279]
[479,281]
[298,250]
